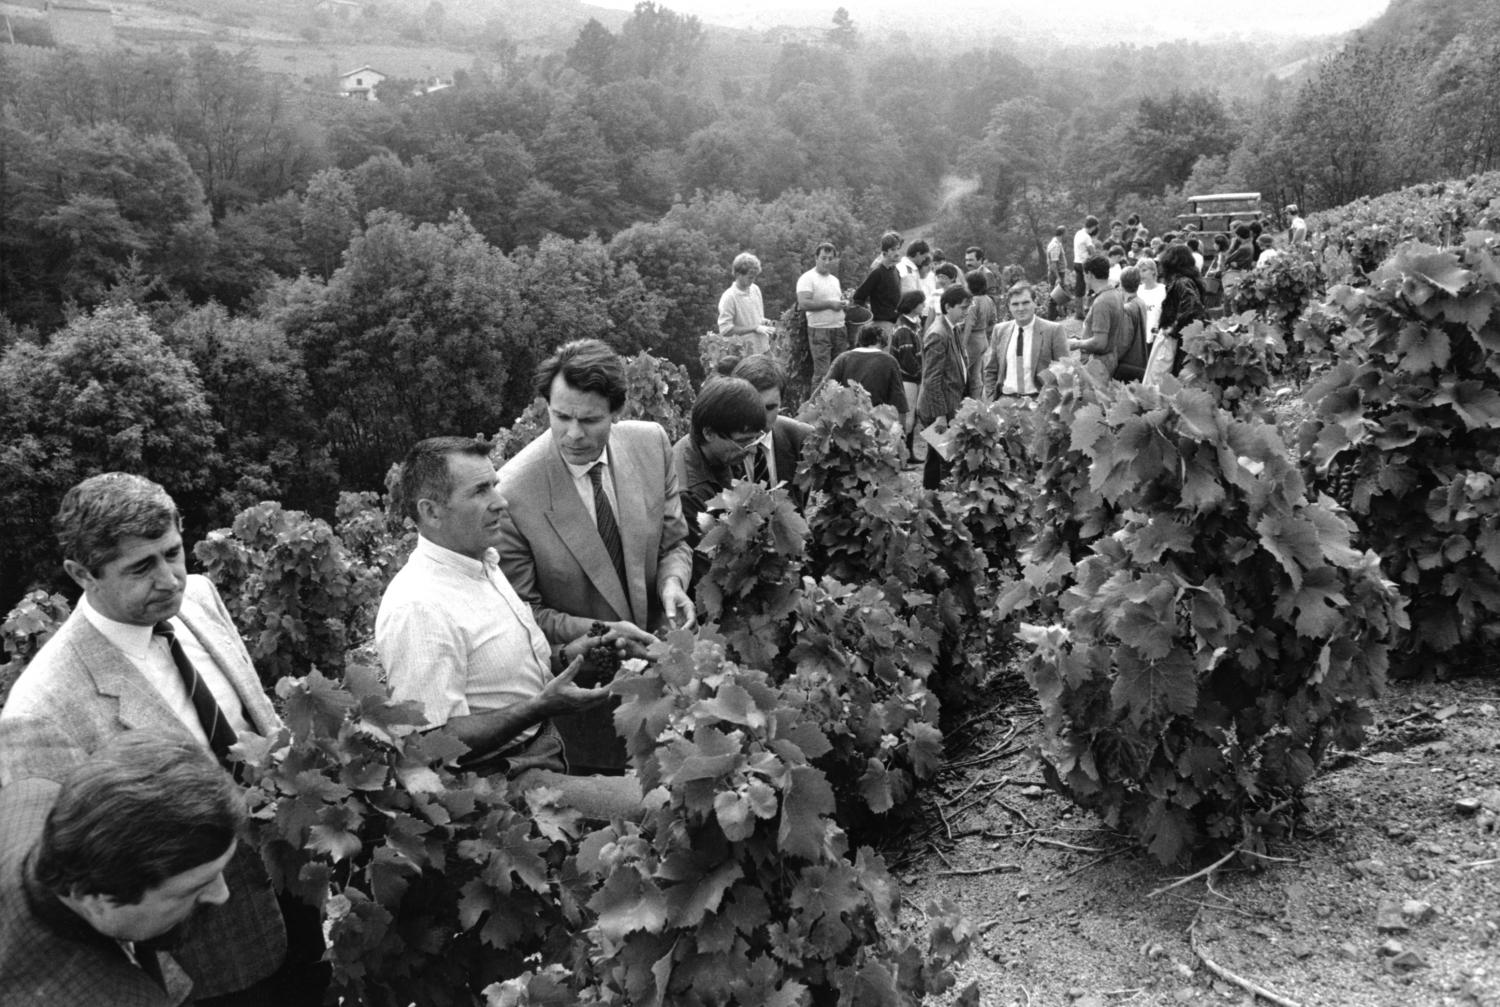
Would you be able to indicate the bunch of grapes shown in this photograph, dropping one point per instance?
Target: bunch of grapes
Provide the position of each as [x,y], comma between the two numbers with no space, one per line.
[600,662]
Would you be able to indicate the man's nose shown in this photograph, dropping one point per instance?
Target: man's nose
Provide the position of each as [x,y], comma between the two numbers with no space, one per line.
[217,893]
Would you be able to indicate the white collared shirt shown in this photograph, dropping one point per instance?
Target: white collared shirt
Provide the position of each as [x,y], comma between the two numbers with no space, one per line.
[152,657]
[1020,380]
[584,484]
[766,444]
[454,636]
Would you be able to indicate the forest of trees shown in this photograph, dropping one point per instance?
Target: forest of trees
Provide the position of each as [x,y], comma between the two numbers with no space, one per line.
[255,291]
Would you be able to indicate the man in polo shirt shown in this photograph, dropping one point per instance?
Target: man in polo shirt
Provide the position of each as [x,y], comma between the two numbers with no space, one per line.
[454,636]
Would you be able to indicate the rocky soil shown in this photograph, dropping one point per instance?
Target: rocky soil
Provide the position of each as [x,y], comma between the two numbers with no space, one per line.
[1388,895]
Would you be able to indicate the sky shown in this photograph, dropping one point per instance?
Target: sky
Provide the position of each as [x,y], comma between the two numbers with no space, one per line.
[1082,20]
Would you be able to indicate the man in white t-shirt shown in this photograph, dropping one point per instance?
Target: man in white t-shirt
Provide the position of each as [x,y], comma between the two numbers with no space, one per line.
[1083,247]
[819,294]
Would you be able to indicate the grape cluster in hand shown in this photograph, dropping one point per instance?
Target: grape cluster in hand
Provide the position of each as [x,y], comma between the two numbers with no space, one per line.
[600,662]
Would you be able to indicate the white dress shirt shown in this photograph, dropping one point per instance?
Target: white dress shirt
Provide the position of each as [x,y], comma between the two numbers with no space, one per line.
[454,636]
[584,484]
[152,657]
[1018,370]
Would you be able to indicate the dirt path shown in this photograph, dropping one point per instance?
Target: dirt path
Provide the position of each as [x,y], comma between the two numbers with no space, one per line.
[1390,895]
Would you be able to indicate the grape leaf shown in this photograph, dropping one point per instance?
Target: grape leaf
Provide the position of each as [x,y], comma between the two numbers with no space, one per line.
[628,903]
[1154,690]
[699,885]
[806,803]
[1422,348]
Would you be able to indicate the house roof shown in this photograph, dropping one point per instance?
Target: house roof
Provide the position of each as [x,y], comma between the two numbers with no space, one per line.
[362,69]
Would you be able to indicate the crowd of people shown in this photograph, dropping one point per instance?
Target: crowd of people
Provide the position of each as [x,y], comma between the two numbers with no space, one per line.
[928,334]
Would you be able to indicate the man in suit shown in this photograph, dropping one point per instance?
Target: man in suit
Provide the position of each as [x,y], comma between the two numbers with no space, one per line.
[595,531]
[150,647]
[1040,343]
[945,375]
[780,451]
[100,877]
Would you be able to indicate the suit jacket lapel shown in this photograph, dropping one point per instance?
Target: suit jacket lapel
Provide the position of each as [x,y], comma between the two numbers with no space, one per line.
[580,535]
[114,675]
[209,633]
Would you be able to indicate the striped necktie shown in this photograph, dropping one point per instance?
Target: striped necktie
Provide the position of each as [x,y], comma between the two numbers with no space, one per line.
[220,735]
[604,516]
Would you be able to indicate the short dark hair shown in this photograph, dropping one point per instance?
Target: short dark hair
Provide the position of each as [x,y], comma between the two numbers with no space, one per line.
[1090,221]
[910,302]
[870,335]
[948,271]
[1096,266]
[1116,223]
[825,246]
[890,240]
[956,294]
[424,474]
[1133,219]
[140,810]
[918,247]
[726,365]
[977,282]
[1059,230]
[975,251]
[1221,241]
[589,365]
[1130,279]
[1242,231]
[1018,289]
[763,371]
[1194,244]
[727,406]
[99,513]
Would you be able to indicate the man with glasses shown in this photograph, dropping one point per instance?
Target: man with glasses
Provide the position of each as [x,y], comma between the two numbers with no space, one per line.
[727,421]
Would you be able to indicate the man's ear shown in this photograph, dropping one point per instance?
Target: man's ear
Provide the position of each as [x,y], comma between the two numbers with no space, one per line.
[78,572]
[428,511]
[94,909]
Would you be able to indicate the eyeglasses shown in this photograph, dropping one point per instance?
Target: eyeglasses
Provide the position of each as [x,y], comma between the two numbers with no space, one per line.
[747,438]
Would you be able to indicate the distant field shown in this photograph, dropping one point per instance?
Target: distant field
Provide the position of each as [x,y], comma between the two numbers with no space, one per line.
[326,60]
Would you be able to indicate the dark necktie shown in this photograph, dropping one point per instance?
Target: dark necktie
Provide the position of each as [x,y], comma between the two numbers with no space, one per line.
[220,735]
[604,516]
[761,470]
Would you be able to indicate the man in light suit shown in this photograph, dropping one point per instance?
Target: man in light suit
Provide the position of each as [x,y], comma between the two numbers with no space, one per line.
[112,667]
[1041,343]
[780,450]
[594,531]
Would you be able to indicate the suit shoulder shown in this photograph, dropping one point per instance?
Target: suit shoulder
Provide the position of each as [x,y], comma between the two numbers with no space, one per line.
[528,461]
[641,431]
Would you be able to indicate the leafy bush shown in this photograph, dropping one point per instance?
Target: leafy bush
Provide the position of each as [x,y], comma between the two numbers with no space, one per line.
[28,626]
[1223,634]
[298,596]
[1438,213]
[432,885]
[991,475]
[1234,358]
[1279,291]
[659,391]
[738,887]
[1413,418]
